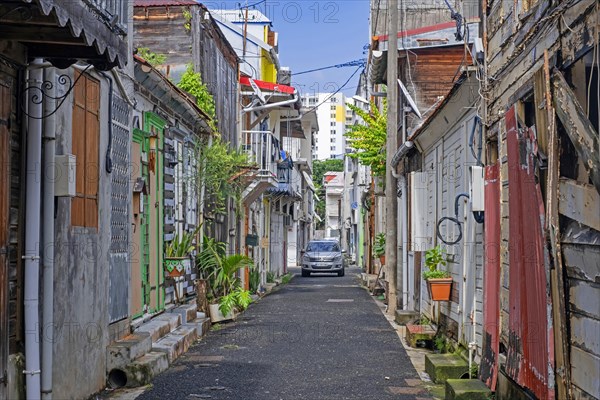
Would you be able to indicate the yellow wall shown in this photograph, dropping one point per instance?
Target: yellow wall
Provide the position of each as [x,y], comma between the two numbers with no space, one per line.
[340,114]
[268,72]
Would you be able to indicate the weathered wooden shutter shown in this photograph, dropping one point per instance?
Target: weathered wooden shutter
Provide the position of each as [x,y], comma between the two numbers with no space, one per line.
[85,137]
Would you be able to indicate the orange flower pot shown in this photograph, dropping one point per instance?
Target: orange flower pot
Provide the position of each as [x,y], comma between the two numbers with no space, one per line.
[440,288]
[382,260]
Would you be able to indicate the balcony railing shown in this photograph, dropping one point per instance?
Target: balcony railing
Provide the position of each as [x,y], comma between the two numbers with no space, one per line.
[262,152]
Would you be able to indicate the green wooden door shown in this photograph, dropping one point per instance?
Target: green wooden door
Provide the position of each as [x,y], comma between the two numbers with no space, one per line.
[154,127]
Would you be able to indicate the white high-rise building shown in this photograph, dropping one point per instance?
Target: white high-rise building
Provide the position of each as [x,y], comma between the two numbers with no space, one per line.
[330,141]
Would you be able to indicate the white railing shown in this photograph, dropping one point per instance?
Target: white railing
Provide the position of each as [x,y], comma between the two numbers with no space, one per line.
[262,152]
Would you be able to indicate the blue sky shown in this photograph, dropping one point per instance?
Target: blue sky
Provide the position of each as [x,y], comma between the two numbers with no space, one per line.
[314,34]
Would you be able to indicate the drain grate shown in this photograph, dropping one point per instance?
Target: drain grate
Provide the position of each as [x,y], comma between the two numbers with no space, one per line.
[340,300]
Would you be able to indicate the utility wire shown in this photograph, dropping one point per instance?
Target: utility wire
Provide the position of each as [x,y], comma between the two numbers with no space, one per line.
[334,93]
[361,62]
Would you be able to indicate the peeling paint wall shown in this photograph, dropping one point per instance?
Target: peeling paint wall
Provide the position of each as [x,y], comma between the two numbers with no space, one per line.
[81,280]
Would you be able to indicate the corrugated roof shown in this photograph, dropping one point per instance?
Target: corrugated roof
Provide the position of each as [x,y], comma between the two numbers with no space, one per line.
[159,3]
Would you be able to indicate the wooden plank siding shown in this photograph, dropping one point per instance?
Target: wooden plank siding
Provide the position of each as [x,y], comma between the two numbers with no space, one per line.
[162,29]
[519,37]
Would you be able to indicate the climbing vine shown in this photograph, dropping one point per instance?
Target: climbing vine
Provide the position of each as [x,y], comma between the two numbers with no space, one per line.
[369,140]
[191,82]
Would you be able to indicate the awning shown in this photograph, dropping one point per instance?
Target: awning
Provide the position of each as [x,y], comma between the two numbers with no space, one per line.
[267,86]
[91,31]
[309,181]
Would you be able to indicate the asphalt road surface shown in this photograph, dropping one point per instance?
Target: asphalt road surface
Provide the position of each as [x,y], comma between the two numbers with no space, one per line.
[321,337]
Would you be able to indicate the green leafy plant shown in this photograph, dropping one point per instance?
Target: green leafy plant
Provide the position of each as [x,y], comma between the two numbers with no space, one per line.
[254,279]
[215,167]
[153,59]
[369,140]
[219,268]
[473,371]
[181,246]
[187,15]
[270,277]
[433,258]
[440,343]
[238,299]
[379,246]
[191,82]
[424,320]
[286,279]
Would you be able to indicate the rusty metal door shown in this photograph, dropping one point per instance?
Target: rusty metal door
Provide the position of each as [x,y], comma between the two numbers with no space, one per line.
[491,278]
[5,102]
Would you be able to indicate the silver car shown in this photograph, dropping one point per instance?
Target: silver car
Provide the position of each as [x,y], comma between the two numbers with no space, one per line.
[323,256]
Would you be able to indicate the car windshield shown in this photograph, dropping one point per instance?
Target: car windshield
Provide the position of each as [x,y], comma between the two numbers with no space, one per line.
[322,246]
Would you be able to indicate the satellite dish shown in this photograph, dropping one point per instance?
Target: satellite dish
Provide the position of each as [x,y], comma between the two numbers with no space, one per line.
[257,90]
[410,100]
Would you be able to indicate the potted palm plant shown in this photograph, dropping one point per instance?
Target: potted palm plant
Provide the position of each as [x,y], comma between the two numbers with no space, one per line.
[379,247]
[228,296]
[177,254]
[439,281]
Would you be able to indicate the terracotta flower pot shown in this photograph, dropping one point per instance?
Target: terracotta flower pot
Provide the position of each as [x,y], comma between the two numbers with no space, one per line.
[382,259]
[440,288]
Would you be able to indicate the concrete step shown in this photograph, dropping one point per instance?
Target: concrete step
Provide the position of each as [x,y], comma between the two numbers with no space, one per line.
[202,325]
[441,367]
[405,317]
[416,333]
[466,389]
[187,312]
[177,342]
[160,326]
[141,371]
[124,351]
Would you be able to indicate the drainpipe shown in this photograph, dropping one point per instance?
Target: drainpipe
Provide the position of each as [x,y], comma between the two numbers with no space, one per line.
[32,233]
[48,237]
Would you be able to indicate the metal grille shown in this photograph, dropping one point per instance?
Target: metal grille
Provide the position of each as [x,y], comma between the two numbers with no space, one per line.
[119,222]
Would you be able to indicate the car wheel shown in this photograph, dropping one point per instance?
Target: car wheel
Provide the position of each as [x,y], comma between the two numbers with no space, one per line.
[342,272]
[305,273]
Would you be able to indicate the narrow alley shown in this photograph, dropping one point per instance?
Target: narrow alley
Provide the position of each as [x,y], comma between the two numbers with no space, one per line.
[321,337]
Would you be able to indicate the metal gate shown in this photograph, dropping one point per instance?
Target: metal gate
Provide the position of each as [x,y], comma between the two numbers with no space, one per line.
[118,300]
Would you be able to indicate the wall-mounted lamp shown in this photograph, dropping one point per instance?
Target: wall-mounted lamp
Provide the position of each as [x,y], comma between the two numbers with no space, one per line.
[153,145]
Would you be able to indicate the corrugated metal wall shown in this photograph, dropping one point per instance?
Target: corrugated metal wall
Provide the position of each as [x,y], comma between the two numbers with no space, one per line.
[530,337]
[491,300]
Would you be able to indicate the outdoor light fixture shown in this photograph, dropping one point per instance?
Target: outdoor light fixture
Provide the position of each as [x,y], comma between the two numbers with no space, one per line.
[153,145]
[219,218]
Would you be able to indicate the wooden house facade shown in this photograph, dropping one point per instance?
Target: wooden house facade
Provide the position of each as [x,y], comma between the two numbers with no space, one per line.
[542,150]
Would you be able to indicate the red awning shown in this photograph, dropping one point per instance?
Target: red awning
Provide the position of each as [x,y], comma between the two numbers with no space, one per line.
[268,86]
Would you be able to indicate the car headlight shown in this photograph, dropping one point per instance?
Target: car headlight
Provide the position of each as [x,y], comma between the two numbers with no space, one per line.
[337,258]
[305,258]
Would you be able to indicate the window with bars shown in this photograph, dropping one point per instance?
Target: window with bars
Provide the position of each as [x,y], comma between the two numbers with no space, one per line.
[86,139]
